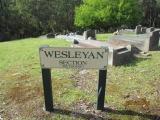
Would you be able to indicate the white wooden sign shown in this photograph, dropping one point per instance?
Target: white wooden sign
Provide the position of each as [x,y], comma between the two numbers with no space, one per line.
[80,58]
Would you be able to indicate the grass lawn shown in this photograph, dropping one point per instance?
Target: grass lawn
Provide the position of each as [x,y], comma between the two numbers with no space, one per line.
[133,90]
[104,37]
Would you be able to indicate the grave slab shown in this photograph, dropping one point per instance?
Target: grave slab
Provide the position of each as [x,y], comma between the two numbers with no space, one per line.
[143,42]
[119,51]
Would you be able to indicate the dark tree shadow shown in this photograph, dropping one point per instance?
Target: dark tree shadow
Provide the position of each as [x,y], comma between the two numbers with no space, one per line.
[88,116]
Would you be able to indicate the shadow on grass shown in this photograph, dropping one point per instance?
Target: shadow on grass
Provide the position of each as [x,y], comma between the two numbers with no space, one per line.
[132,113]
[77,114]
[134,61]
[107,110]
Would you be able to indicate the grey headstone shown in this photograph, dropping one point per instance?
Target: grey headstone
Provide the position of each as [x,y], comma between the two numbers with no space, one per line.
[143,30]
[151,29]
[85,35]
[154,40]
[138,29]
[51,35]
[75,41]
[89,33]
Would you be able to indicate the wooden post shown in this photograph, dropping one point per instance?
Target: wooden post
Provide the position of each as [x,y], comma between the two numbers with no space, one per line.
[101,89]
[47,87]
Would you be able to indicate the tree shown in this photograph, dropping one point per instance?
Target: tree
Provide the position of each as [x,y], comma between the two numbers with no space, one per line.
[157,23]
[27,18]
[105,14]
[150,12]
[54,15]
[15,21]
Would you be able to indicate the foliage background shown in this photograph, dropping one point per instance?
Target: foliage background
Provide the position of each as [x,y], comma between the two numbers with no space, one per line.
[106,14]
[32,18]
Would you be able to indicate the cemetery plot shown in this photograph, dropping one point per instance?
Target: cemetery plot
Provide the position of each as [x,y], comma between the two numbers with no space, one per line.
[129,87]
[122,45]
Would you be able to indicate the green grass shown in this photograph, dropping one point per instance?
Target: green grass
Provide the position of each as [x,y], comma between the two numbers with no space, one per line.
[133,87]
[104,37]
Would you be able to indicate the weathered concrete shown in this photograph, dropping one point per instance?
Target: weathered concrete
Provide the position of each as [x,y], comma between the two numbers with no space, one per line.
[138,29]
[134,40]
[121,47]
[143,30]
[143,42]
[127,31]
[154,40]
[50,35]
[119,56]
[119,51]
[151,29]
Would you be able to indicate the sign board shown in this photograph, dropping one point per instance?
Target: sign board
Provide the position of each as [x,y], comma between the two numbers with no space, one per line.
[81,58]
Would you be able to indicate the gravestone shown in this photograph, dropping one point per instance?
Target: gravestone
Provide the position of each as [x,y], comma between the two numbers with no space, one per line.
[138,29]
[79,32]
[50,35]
[150,29]
[143,30]
[154,40]
[85,35]
[89,33]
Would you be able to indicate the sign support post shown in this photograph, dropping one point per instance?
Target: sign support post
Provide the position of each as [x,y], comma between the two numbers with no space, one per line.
[47,87]
[101,89]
